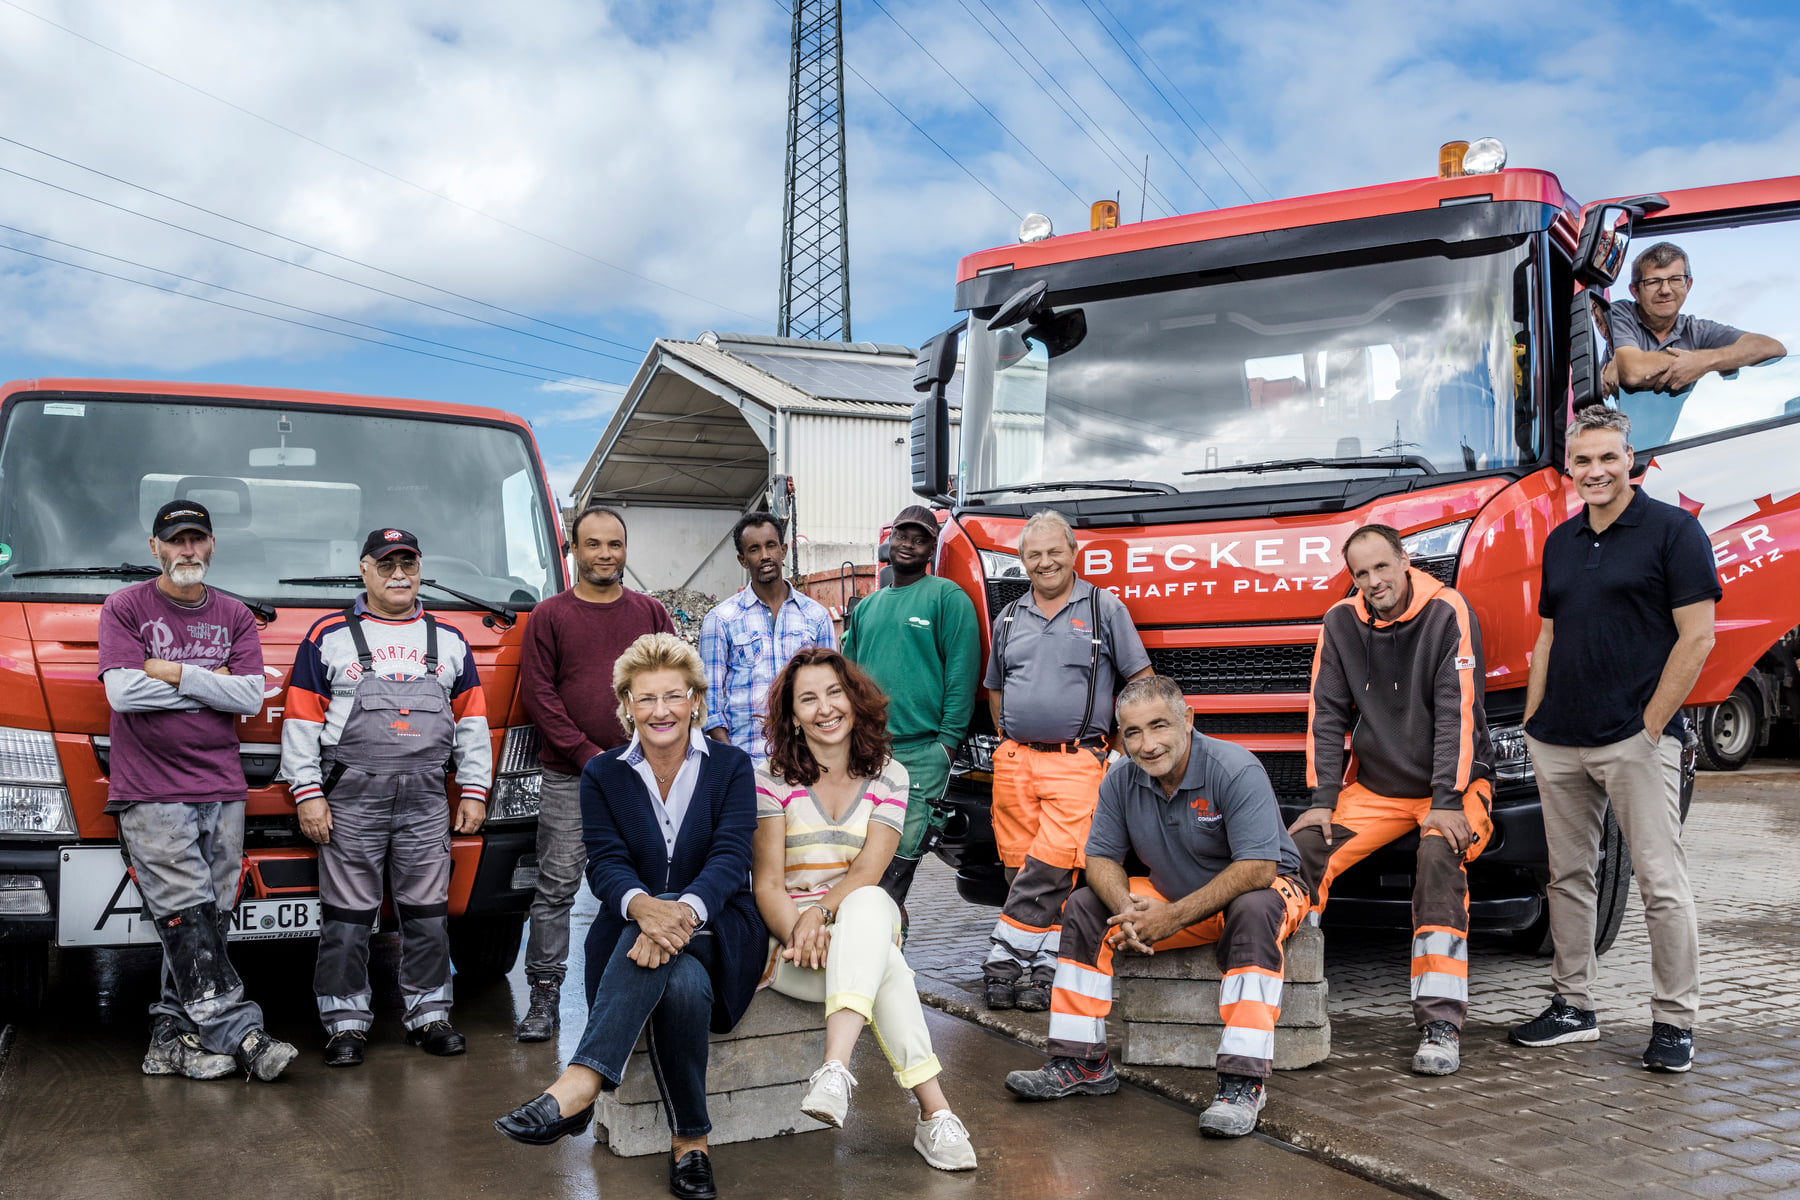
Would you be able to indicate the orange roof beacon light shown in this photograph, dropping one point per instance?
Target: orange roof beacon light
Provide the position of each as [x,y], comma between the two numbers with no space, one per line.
[1450,159]
[1035,228]
[1103,214]
[1484,156]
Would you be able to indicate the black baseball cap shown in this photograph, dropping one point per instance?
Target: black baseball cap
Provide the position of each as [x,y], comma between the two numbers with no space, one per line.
[918,514]
[178,515]
[382,542]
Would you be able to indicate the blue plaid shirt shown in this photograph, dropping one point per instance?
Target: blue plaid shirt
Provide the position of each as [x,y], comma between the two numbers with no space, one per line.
[743,656]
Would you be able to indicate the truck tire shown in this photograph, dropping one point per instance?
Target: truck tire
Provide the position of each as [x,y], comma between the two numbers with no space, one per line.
[1729,730]
[1612,886]
[485,948]
[24,972]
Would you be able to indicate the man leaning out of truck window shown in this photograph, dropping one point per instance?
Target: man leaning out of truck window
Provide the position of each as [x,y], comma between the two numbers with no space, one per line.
[181,663]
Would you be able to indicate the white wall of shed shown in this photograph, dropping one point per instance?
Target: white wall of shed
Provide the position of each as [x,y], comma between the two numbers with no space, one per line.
[851,476]
[667,545]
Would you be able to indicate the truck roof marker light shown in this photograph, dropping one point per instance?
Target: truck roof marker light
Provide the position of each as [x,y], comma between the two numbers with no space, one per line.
[1035,228]
[1484,156]
[1450,159]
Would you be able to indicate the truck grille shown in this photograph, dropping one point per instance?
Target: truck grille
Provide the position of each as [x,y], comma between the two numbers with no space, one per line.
[1287,772]
[1236,670]
[1002,592]
[1294,722]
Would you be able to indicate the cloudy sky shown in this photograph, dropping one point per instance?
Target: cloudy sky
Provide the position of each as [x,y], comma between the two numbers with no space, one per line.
[552,185]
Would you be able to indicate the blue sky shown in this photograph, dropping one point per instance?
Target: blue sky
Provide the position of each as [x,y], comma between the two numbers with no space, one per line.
[615,169]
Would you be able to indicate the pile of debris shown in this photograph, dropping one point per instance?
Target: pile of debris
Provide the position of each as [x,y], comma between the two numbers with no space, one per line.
[687,608]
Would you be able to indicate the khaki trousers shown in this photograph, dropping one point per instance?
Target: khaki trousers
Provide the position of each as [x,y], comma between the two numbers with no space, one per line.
[1643,779]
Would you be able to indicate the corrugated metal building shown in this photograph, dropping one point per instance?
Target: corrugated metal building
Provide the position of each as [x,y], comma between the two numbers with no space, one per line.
[705,426]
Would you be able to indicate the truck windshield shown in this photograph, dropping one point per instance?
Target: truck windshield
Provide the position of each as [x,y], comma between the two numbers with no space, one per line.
[1426,356]
[291,492]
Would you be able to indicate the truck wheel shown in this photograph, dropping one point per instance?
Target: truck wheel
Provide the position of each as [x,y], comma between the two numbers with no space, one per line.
[485,948]
[1728,731]
[1612,886]
[24,971]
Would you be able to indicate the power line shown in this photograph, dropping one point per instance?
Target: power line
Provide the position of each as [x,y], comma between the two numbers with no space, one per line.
[312,312]
[1121,162]
[200,208]
[920,129]
[461,362]
[312,270]
[549,241]
[1051,171]
[1101,75]
[1171,82]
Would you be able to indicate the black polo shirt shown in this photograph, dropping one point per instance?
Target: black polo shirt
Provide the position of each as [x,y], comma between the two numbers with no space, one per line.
[1612,595]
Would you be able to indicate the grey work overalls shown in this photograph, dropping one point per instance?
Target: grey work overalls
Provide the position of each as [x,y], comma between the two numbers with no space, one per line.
[384,780]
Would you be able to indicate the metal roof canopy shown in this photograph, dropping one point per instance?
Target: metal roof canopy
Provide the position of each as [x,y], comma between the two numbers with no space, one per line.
[701,423]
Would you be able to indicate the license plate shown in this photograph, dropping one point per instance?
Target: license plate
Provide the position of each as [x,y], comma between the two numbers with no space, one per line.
[99,905]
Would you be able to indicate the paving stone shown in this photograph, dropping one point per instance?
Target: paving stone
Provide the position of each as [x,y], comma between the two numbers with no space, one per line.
[1157,1045]
[1196,1002]
[742,1116]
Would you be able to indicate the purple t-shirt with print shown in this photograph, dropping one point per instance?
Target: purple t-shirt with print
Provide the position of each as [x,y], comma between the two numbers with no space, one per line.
[176,757]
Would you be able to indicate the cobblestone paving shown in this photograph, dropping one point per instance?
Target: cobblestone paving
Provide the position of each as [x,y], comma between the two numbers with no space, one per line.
[1582,1120]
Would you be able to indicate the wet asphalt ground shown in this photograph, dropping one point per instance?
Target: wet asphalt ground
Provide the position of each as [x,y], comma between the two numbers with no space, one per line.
[78,1119]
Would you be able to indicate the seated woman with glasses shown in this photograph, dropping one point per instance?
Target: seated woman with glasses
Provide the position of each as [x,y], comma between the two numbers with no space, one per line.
[677,946]
[830,811]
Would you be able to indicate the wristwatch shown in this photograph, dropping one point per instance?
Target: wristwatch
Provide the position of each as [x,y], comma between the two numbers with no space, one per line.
[830,917]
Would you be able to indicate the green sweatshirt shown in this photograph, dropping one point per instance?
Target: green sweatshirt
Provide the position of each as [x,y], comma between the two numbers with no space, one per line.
[920,644]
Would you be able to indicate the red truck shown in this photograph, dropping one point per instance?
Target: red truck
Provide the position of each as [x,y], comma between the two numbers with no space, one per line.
[1215,401]
[293,480]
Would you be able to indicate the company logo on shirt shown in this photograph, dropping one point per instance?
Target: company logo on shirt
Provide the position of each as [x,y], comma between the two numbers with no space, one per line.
[1465,662]
[1203,810]
[920,622]
[403,728]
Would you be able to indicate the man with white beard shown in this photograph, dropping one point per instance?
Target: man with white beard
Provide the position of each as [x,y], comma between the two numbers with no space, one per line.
[181,662]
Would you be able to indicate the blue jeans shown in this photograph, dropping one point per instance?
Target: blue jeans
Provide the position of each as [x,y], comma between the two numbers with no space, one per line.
[675,1000]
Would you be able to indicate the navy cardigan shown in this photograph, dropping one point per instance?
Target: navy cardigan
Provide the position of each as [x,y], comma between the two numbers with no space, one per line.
[625,850]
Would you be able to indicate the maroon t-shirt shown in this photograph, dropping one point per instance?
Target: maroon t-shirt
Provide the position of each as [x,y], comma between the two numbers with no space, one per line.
[566,672]
[176,757]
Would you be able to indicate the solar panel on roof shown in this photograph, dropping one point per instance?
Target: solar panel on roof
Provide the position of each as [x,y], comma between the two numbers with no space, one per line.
[887,381]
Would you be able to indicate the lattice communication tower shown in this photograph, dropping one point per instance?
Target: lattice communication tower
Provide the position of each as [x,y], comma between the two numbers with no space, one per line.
[815,240]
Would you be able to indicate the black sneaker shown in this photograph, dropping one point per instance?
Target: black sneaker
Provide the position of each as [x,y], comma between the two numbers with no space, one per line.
[542,1017]
[437,1037]
[345,1048]
[1671,1049]
[1235,1107]
[1560,1023]
[1032,997]
[1065,1077]
[1001,993]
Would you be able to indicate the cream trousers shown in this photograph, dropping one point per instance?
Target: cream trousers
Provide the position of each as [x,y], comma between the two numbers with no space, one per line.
[866,973]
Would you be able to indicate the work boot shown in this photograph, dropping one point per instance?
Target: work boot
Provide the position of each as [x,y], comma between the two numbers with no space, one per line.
[1065,1077]
[543,1016]
[437,1037]
[1561,1022]
[1671,1048]
[828,1094]
[176,1051]
[264,1056]
[1001,993]
[1440,1050]
[345,1048]
[1235,1107]
[1032,996]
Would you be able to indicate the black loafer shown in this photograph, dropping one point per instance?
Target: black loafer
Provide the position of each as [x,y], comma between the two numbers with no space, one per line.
[437,1037]
[345,1049]
[540,1122]
[691,1177]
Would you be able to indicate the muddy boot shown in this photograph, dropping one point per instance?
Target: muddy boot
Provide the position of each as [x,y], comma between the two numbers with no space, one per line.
[175,1051]
[265,1057]
[542,1017]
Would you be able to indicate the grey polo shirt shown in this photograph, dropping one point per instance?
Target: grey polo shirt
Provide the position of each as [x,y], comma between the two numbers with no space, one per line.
[1223,812]
[1044,675]
[1689,333]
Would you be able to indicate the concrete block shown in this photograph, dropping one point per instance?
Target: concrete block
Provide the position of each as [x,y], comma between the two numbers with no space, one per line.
[1196,1002]
[1163,1045]
[769,1012]
[740,1116]
[1304,955]
[737,1064]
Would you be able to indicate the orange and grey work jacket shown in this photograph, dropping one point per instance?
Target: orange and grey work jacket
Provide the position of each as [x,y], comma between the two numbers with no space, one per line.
[1411,688]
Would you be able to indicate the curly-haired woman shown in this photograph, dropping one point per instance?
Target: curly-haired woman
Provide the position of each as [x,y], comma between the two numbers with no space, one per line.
[830,809]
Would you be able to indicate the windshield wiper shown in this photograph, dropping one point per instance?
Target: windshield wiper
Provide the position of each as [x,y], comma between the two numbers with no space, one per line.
[498,614]
[1075,485]
[263,610]
[1390,461]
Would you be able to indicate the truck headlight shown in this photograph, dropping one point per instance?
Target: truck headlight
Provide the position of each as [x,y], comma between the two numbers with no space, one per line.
[518,779]
[29,808]
[1512,761]
[997,564]
[976,754]
[28,756]
[1435,551]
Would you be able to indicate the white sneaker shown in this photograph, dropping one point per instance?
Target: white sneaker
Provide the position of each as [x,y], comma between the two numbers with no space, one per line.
[828,1097]
[944,1142]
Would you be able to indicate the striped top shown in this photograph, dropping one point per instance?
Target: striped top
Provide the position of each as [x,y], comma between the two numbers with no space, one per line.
[820,850]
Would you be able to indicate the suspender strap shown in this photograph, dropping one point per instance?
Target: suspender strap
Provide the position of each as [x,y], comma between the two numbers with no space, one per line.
[354,620]
[1096,640]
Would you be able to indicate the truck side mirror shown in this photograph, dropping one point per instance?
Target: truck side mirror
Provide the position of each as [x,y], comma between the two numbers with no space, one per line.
[1605,236]
[931,416]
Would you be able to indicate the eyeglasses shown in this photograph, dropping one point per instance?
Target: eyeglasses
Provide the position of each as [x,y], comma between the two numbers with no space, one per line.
[667,699]
[1673,282]
[385,567]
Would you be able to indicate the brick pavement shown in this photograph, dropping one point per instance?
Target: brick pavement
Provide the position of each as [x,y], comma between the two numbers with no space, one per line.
[1582,1120]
